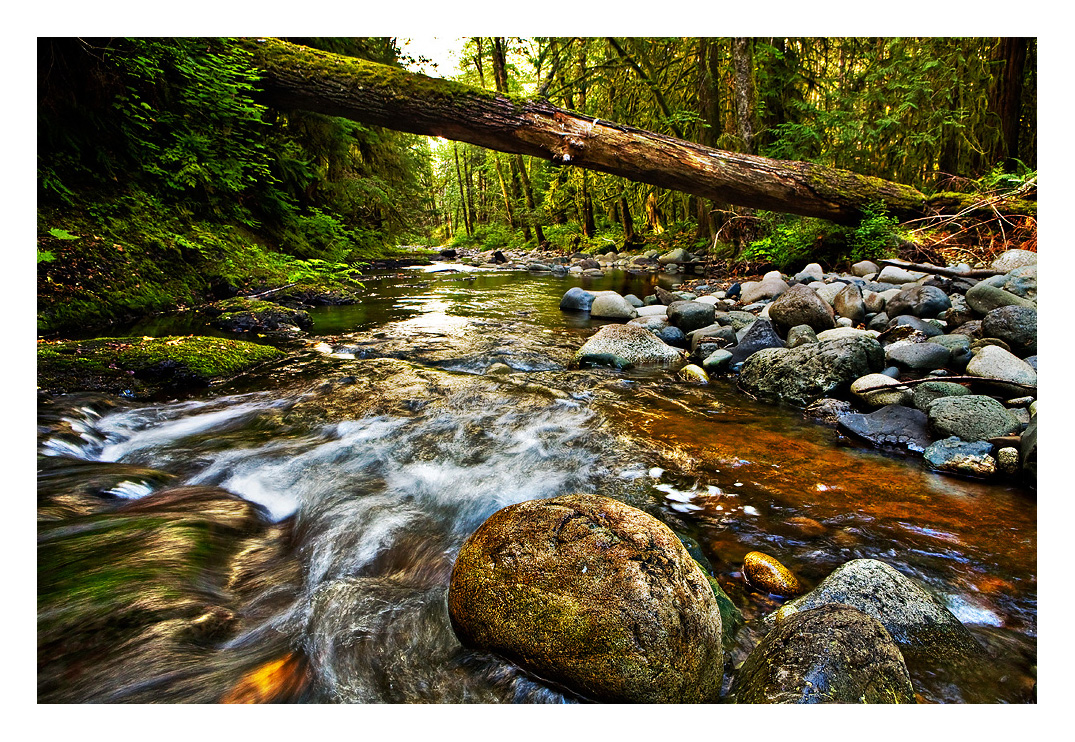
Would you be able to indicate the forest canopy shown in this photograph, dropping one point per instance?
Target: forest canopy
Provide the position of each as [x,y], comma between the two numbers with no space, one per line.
[162,175]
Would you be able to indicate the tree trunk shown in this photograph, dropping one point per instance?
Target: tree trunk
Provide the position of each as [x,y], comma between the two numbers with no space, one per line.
[462,193]
[295,77]
[507,196]
[743,61]
[1008,95]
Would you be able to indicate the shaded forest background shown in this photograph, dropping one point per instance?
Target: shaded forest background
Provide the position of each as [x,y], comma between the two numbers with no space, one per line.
[162,181]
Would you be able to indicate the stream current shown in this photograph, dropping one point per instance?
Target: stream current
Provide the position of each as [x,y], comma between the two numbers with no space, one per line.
[365,461]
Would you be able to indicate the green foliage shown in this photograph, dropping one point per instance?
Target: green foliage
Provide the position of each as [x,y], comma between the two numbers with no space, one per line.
[44,256]
[315,270]
[787,240]
[62,234]
[1002,181]
[876,237]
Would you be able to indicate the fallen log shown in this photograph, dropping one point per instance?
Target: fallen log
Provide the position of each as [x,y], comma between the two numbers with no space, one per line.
[296,77]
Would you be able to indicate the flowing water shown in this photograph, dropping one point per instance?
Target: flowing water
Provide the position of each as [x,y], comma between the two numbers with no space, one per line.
[303,521]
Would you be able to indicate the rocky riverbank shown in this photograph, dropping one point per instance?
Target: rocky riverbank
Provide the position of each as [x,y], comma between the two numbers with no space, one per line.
[938,366]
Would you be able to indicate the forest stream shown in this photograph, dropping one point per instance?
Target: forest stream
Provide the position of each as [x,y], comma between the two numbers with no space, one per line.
[310,513]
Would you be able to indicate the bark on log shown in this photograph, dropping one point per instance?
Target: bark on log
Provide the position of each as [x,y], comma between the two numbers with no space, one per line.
[296,77]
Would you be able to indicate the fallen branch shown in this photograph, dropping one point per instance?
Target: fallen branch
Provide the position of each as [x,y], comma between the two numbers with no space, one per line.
[951,272]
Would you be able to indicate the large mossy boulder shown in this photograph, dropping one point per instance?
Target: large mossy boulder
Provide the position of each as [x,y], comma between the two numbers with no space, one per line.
[809,372]
[137,366]
[831,654]
[591,594]
[919,623]
[241,315]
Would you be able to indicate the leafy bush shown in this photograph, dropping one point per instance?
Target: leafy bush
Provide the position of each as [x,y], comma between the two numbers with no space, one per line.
[877,236]
[787,239]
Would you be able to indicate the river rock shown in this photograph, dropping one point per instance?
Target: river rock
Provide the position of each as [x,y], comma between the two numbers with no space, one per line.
[801,335]
[736,319]
[928,392]
[1016,326]
[801,375]
[917,356]
[865,268]
[984,298]
[610,305]
[693,373]
[690,315]
[800,305]
[758,336]
[831,654]
[717,361]
[845,332]
[654,310]
[672,336]
[1028,449]
[960,457]
[992,362]
[592,594]
[827,292]
[894,425]
[895,275]
[767,574]
[664,296]
[811,272]
[577,300]
[769,287]
[1022,282]
[1012,259]
[828,410]
[919,623]
[920,301]
[971,417]
[878,390]
[676,255]
[652,323]
[633,343]
[850,304]
[929,328]
[721,334]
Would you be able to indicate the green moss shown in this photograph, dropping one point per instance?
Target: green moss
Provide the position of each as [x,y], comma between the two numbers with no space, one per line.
[133,364]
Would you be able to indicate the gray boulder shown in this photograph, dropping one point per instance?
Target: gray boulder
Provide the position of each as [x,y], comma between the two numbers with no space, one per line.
[917,356]
[770,287]
[919,623]
[1021,282]
[865,268]
[690,315]
[831,654]
[929,392]
[800,305]
[610,305]
[801,335]
[920,301]
[983,298]
[993,362]
[895,275]
[1016,326]
[971,417]
[927,328]
[850,304]
[1012,259]
[632,343]
[721,334]
[801,375]
[717,362]
[577,300]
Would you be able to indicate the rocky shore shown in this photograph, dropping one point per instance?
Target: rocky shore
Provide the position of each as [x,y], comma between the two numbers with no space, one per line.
[934,365]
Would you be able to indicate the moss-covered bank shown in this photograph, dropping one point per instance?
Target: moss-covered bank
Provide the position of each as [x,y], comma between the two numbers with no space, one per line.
[137,367]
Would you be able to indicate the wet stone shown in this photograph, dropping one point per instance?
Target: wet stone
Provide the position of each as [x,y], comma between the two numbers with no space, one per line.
[959,457]
[894,425]
[832,654]
[767,574]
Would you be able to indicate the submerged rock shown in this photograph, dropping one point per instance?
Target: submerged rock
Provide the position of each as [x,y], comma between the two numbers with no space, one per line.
[959,457]
[591,594]
[894,425]
[831,654]
[577,300]
[766,573]
[918,622]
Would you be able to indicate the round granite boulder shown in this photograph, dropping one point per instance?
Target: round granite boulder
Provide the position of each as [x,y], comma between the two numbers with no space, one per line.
[591,594]
[576,300]
[610,305]
[831,654]
[690,315]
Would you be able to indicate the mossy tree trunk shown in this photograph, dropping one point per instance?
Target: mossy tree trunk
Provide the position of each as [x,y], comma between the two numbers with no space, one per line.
[295,77]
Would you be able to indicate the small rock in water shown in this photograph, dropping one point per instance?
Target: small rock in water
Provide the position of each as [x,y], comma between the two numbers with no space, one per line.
[768,574]
[694,374]
[958,457]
